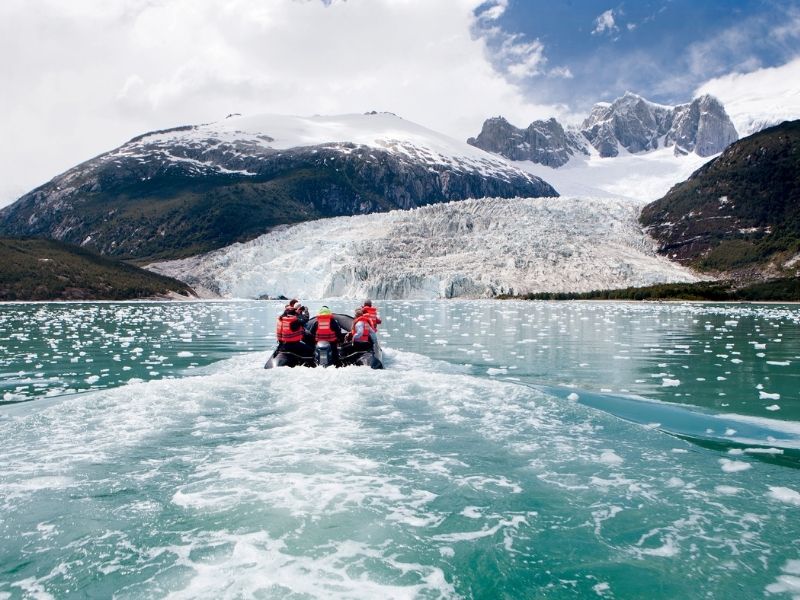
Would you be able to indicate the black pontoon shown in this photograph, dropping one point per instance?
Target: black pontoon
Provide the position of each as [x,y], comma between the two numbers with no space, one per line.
[322,352]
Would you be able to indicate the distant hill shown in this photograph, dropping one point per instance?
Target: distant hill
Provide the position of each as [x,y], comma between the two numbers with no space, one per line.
[738,214]
[36,269]
[191,189]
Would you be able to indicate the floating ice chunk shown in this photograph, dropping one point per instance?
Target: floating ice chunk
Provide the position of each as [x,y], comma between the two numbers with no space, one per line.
[784,494]
[779,363]
[440,342]
[92,379]
[185,354]
[601,588]
[730,431]
[447,551]
[609,457]
[773,407]
[768,396]
[573,396]
[734,466]
[665,382]
[675,482]
[494,371]
[727,490]
[787,582]
[472,512]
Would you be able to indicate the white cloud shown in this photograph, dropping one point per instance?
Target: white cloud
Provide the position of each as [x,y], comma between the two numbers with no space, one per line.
[89,74]
[760,98]
[605,23]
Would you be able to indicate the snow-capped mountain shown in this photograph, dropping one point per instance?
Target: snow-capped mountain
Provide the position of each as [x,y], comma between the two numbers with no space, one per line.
[630,124]
[760,98]
[194,188]
[473,248]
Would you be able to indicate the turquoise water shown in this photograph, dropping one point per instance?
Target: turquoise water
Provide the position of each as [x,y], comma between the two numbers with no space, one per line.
[521,450]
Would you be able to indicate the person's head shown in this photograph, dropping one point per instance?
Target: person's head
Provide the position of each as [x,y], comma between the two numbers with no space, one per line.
[293,302]
[324,311]
[359,312]
[367,302]
[290,309]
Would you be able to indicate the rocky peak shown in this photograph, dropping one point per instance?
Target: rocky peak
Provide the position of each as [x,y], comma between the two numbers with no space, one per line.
[702,126]
[544,142]
[630,122]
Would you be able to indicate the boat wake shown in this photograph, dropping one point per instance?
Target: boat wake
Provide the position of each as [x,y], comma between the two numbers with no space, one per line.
[422,480]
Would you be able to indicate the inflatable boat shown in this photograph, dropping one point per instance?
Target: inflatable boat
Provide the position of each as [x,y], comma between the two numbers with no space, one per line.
[323,353]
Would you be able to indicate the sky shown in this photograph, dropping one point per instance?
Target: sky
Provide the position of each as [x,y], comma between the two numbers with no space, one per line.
[81,77]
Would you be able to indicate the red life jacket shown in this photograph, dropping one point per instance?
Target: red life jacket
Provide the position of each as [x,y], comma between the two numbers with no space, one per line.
[324,331]
[372,313]
[364,337]
[284,331]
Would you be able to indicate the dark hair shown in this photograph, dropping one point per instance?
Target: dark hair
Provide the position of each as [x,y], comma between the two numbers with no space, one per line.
[367,302]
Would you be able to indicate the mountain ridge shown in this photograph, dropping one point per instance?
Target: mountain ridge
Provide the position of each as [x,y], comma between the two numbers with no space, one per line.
[630,123]
[37,269]
[740,213]
[189,189]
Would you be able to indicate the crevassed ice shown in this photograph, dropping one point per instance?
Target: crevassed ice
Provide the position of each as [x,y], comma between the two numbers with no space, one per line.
[472,248]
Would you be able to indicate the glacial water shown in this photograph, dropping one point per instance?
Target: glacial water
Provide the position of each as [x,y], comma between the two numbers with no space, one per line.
[510,449]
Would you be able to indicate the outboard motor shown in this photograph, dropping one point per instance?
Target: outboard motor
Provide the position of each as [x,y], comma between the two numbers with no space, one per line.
[323,355]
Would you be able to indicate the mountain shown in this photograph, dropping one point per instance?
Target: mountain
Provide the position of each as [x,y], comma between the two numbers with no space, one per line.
[758,99]
[630,124]
[740,213]
[35,269]
[474,248]
[181,191]
[543,142]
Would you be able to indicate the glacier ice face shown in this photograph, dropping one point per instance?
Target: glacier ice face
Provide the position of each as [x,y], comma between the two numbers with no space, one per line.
[472,248]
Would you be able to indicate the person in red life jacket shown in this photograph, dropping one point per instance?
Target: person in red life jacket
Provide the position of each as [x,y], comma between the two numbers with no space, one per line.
[327,329]
[363,333]
[302,311]
[290,332]
[371,312]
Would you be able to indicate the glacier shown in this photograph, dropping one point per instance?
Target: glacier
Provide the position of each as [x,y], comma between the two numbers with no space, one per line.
[471,248]
[639,178]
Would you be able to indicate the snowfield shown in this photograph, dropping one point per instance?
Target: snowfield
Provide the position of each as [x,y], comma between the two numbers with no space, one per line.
[472,248]
[639,178]
[228,144]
